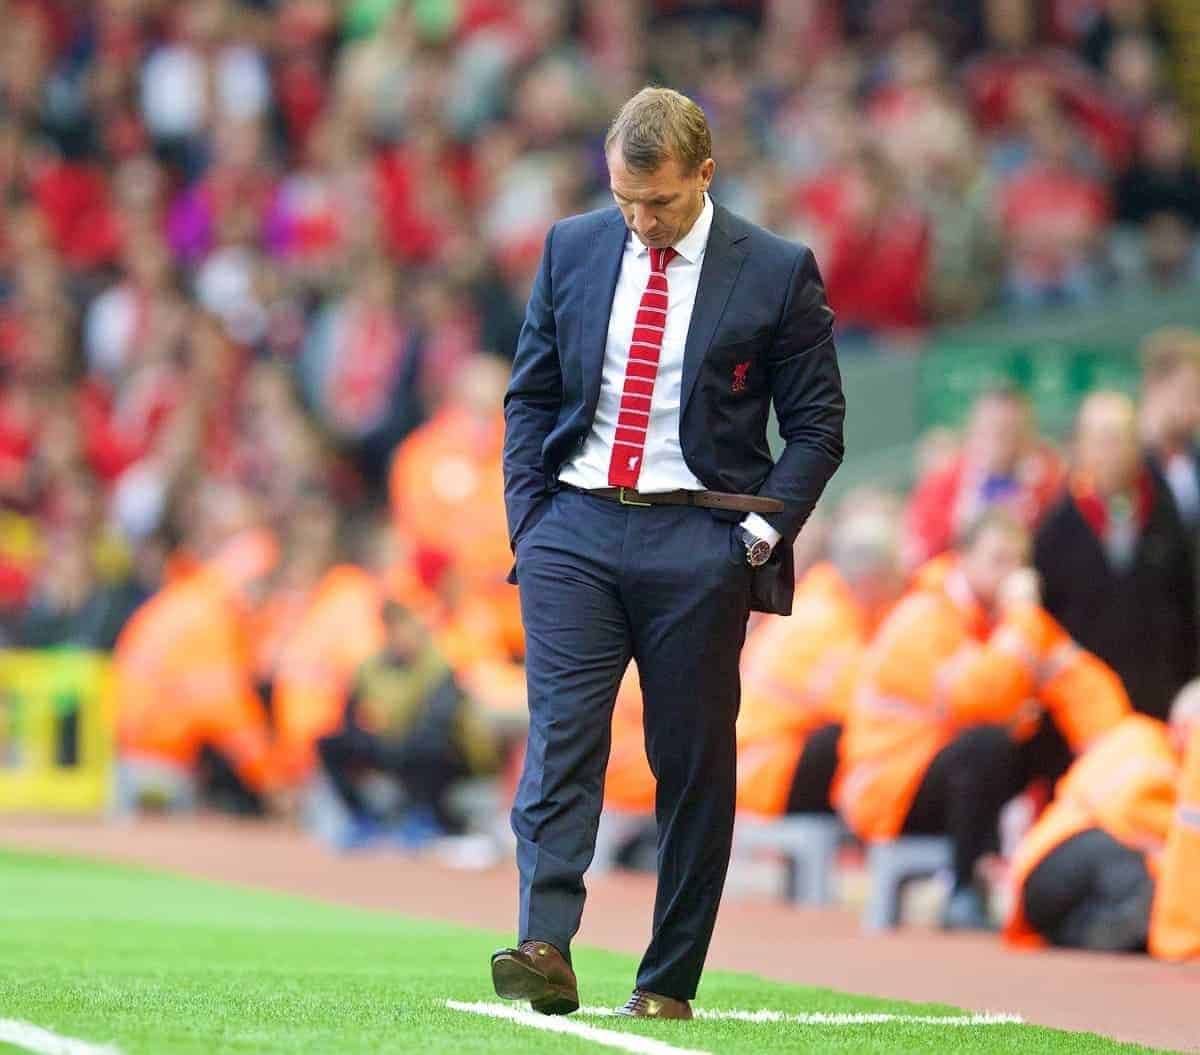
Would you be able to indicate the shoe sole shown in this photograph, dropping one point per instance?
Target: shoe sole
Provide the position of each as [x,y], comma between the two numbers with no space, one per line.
[514,979]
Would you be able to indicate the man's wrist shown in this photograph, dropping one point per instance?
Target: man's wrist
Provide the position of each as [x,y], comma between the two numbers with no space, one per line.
[753,537]
[759,528]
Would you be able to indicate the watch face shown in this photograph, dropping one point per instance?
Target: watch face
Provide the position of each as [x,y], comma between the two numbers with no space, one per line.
[759,553]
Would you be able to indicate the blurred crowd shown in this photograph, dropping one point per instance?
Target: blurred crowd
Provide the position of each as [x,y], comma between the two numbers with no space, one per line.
[263,264]
[247,246]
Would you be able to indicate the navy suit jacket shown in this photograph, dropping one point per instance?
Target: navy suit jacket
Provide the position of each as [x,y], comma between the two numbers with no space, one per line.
[761,332]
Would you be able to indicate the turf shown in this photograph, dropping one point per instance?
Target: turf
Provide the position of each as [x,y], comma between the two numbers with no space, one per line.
[160,965]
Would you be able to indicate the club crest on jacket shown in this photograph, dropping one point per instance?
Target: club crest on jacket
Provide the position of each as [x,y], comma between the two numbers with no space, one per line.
[740,370]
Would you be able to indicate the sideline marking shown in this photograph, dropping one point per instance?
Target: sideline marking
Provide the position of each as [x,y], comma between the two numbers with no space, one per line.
[829,1018]
[44,1042]
[610,1038]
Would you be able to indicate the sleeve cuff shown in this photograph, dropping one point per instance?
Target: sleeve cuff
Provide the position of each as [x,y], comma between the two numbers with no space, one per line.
[759,528]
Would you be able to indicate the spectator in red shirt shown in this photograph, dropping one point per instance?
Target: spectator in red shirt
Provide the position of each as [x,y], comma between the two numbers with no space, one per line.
[878,256]
[906,110]
[321,205]
[1002,461]
[1053,217]
[361,367]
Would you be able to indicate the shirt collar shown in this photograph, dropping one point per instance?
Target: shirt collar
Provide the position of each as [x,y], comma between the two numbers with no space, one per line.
[691,245]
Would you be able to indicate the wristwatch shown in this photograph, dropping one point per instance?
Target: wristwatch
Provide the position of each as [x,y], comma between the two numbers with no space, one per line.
[758,550]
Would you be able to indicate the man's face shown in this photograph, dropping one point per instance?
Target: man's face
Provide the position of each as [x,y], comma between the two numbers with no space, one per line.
[997,436]
[1107,447]
[405,635]
[994,556]
[660,206]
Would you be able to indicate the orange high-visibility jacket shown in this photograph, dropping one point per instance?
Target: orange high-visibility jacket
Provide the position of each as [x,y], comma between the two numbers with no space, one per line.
[447,493]
[1175,917]
[271,626]
[182,679]
[478,629]
[1123,784]
[935,667]
[798,674]
[629,783]
[342,625]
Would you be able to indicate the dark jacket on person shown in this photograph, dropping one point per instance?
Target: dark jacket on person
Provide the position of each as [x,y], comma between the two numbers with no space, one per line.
[1140,615]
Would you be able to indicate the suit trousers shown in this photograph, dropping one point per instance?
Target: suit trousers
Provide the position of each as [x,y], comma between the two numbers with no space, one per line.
[668,587]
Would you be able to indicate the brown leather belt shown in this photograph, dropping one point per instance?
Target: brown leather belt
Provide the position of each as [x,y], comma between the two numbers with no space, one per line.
[705,499]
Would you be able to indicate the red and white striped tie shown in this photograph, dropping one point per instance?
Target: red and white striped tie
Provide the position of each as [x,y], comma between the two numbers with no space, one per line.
[640,371]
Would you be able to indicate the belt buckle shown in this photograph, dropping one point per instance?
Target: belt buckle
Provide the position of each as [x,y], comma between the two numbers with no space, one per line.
[629,502]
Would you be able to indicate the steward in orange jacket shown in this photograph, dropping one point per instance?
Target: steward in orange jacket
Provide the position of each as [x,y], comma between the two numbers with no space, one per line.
[939,734]
[798,674]
[445,480]
[1082,876]
[447,498]
[182,673]
[1107,864]
[340,628]
[1175,919]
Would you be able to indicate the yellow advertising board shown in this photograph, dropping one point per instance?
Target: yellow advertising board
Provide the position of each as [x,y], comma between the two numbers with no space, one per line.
[56,741]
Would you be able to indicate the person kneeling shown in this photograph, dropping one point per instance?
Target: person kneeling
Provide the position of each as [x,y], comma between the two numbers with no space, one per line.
[406,720]
[1085,874]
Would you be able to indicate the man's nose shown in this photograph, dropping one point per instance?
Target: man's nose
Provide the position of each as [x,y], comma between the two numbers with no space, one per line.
[643,218]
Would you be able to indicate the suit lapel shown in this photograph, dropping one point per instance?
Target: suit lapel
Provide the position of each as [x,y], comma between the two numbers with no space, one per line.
[723,258]
[600,286]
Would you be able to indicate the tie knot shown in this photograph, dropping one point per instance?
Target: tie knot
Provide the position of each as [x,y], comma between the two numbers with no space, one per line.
[660,258]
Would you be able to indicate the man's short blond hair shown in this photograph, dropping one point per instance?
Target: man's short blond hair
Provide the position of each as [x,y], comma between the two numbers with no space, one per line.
[658,125]
[1105,401]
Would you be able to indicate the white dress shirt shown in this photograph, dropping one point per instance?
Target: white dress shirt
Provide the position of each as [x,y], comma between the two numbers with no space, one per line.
[1180,471]
[663,465]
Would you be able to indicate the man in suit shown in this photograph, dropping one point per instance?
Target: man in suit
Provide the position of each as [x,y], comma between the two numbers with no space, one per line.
[648,519]
[1116,562]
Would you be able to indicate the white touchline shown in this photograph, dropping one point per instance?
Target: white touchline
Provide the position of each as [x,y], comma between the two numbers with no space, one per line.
[43,1042]
[609,1038]
[827,1018]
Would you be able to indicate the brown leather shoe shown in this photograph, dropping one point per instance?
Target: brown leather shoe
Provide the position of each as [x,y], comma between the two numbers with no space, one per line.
[651,1005]
[536,971]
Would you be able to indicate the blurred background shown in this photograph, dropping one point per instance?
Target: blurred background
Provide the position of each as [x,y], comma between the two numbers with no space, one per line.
[263,265]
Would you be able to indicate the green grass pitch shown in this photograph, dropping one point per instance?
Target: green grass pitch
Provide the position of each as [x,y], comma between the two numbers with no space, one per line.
[158,965]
